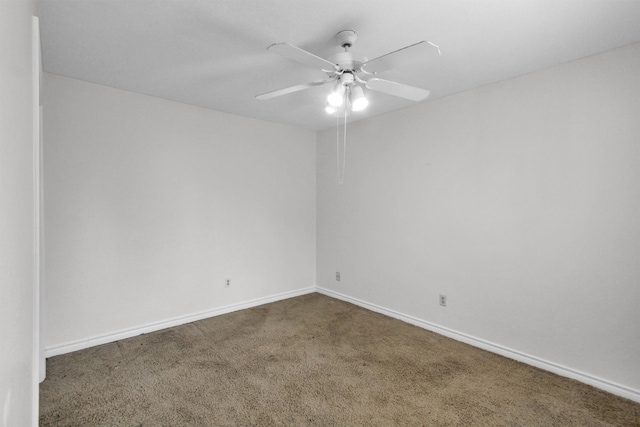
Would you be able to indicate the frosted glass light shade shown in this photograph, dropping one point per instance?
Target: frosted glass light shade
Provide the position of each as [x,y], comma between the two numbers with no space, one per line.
[358,101]
[336,98]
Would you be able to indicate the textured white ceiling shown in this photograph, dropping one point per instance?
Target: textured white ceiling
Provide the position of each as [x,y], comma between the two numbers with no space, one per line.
[212,53]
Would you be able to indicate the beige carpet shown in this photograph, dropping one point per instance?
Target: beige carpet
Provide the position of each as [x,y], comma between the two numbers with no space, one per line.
[316,361]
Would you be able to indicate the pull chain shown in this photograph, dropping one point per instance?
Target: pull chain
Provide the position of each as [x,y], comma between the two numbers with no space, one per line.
[344,145]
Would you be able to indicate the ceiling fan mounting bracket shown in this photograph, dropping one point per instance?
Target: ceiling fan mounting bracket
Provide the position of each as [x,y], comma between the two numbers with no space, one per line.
[346,38]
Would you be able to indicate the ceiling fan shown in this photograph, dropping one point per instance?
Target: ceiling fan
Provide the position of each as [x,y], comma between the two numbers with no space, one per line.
[349,72]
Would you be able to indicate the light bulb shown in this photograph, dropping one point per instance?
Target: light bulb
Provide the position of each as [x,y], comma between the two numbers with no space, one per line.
[329,109]
[336,98]
[359,104]
[358,101]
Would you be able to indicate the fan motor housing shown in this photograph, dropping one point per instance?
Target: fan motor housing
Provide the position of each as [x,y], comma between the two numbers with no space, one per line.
[349,61]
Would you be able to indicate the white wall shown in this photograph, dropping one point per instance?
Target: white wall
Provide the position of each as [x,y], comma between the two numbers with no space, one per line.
[18,384]
[152,204]
[520,201]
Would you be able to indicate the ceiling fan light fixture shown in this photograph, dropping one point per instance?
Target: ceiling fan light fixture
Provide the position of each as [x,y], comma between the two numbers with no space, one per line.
[358,101]
[336,98]
[343,68]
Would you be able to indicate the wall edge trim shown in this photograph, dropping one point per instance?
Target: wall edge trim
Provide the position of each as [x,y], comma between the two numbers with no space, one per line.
[82,344]
[564,371]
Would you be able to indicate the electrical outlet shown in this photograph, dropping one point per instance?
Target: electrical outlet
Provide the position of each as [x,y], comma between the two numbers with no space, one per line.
[443,300]
[227,283]
[337,276]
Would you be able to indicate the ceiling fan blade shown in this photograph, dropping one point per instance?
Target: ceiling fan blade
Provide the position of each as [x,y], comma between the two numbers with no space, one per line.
[302,56]
[285,91]
[397,89]
[408,55]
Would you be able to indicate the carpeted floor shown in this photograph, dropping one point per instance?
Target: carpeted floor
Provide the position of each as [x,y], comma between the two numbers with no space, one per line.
[311,361]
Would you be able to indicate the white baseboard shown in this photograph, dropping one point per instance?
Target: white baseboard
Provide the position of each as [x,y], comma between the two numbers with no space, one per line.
[608,386]
[176,321]
[564,371]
